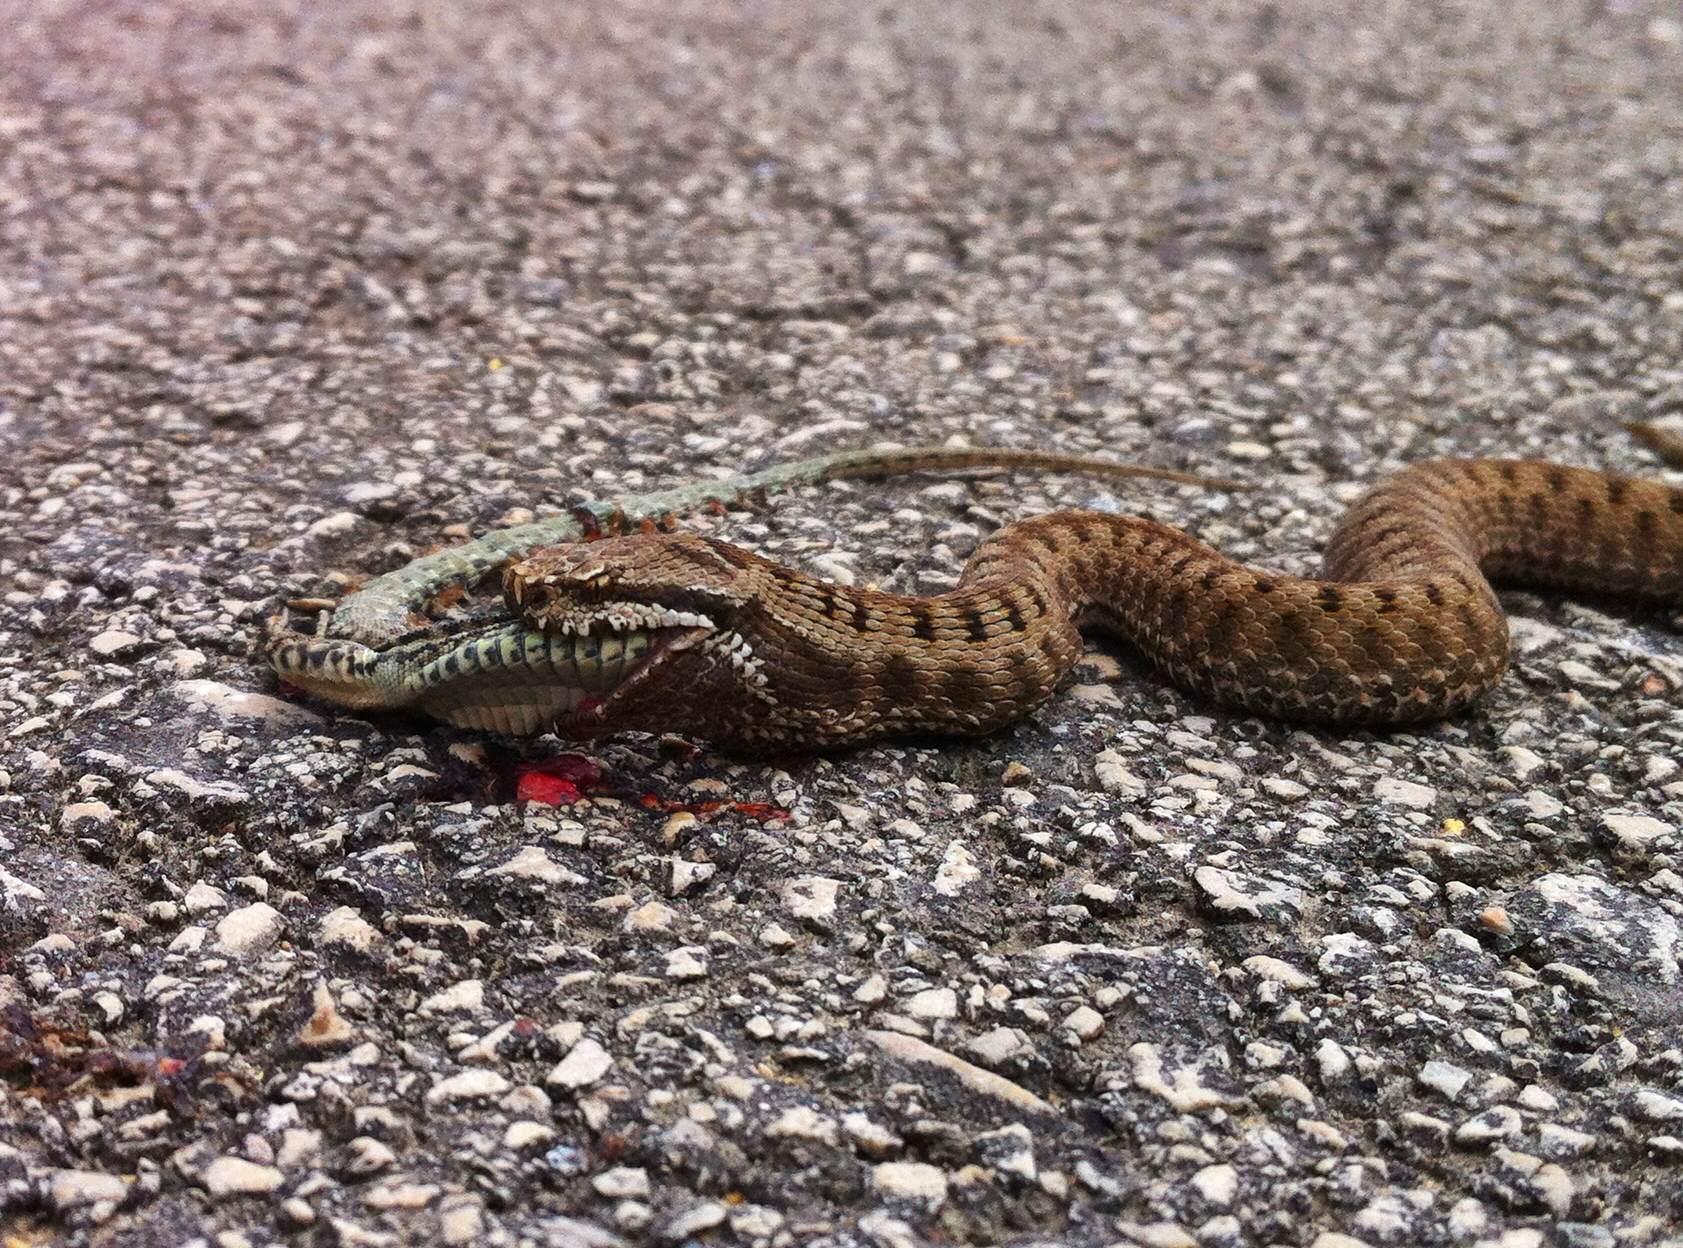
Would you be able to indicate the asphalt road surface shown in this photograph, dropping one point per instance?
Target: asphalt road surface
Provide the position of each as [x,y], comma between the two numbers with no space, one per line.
[292,292]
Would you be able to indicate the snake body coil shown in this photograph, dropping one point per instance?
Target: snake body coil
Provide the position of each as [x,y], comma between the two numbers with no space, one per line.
[1404,626]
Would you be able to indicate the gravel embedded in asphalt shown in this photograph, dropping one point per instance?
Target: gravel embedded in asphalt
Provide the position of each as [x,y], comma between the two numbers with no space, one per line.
[291,293]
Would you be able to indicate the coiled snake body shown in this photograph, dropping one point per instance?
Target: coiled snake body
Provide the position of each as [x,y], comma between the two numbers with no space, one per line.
[712,641]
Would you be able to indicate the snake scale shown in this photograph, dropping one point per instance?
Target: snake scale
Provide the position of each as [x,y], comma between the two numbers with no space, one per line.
[673,632]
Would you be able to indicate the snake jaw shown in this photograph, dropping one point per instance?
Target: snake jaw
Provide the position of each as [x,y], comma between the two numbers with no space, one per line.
[675,572]
[595,716]
[674,589]
[583,619]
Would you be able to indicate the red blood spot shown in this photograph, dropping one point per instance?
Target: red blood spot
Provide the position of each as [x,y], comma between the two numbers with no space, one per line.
[569,778]
[760,810]
[546,790]
[558,781]
[753,810]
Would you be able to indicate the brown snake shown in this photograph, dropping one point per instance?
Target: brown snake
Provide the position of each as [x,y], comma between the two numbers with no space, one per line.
[1403,626]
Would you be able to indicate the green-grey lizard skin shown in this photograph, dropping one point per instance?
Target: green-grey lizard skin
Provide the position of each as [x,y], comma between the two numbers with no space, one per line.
[493,672]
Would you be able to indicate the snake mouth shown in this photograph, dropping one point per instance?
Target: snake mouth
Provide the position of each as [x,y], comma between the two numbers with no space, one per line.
[669,634]
[617,617]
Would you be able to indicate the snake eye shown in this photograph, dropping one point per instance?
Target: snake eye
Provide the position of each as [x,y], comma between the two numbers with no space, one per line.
[538,597]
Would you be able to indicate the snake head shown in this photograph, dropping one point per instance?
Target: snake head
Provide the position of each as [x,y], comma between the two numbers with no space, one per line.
[678,599]
[643,581]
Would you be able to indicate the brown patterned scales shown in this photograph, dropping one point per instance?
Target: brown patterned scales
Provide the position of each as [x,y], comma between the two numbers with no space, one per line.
[1404,625]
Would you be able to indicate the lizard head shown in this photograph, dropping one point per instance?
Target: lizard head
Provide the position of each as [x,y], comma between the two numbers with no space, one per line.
[683,591]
